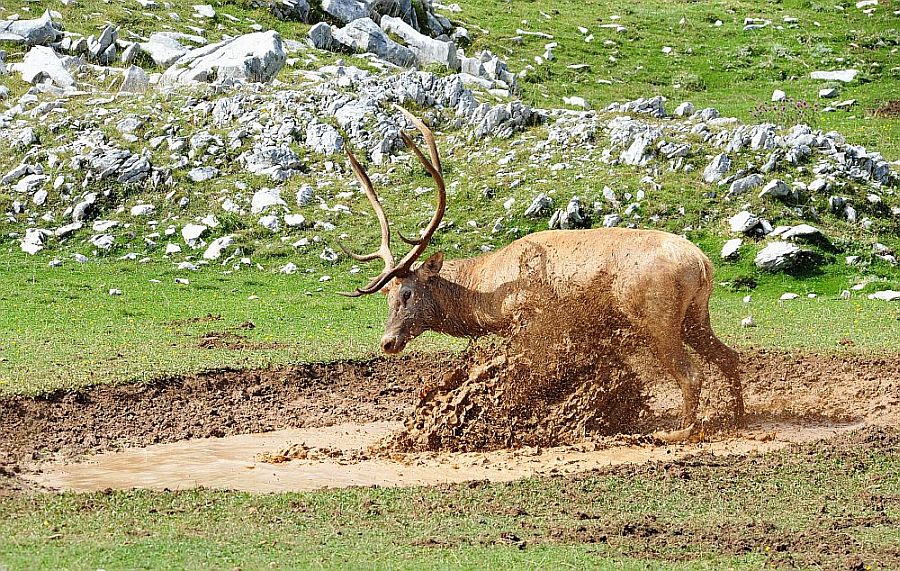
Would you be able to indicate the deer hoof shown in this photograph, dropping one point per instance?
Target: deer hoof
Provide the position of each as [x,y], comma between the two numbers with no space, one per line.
[674,436]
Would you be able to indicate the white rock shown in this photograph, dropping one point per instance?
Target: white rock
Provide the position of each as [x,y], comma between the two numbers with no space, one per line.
[779,95]
[427,50]
[265,199]
[192,233]
[289,268]
[788,296]
[365,35]
[41,63]
[172,249]
[204,10]
[254,57]
[743,222]
[778,256]
[295,220]
[217,246]
[717,168]
[730,249]
[143,210]
[270,222]
[748,322]
[844,75]
[115,291]
[576,102]
[886,295]
[135,80]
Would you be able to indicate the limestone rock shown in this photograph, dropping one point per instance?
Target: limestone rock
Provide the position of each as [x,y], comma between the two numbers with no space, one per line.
[365,35]
[254,57]
[778,256]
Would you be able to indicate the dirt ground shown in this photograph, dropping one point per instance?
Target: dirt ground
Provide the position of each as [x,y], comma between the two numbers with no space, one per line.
[801,396]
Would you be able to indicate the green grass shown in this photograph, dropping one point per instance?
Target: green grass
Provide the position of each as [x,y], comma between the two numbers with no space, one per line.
[741,513]
[61,328]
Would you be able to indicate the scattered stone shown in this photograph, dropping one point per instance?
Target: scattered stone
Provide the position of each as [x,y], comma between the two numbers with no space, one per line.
[743,185]
[202,174]
[776,188]
[778,256]
[254,57]
[365,35]
[143,210]
[730,250]
[41,63]
[191,234]
[265,199]
[828,93]
[743,222]
[886,295]
[845,75]
[748,322]
[788,296]
[716,169]
[217,247]
[426,50]
[540,206]
[135,80]
[778,95]
[41,31]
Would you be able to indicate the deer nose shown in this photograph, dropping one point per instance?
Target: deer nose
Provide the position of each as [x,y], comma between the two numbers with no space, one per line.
[391,344]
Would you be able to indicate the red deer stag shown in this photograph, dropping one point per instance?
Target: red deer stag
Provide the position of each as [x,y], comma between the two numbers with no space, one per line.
[661,282]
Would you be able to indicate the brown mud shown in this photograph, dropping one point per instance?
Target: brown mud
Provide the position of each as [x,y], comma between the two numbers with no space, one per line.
[801,394]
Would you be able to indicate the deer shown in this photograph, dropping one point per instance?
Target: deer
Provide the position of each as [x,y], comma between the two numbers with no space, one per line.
[660,281]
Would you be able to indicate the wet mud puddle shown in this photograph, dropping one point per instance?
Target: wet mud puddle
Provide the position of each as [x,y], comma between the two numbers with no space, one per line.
[336,457]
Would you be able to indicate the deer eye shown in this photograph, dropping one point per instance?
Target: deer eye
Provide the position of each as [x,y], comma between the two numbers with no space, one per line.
[406,295]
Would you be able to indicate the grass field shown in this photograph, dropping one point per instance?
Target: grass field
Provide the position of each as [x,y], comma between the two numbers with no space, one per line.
[709,520]
[61,329]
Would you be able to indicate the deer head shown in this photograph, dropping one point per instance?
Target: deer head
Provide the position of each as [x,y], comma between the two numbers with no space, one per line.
[411,306]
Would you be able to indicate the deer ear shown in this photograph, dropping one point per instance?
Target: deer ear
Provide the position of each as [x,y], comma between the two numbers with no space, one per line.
[432,266]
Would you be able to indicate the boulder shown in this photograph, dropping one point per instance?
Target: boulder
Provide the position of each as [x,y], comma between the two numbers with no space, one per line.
[539,206]
[217,246]
[136,80]
[717,168]
[320,36]
[345,11]
[427,50]
[323,138]
[778,256]
[41,31]
[254,57]
[844,75]
[41,63]
[743,222]
[296,10]
[265,199]
[886,295]
[777,189]
[743,185]
[730,249]
[365,35]
[165,48]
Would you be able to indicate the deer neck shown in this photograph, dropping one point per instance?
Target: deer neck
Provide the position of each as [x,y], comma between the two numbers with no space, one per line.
[463,311]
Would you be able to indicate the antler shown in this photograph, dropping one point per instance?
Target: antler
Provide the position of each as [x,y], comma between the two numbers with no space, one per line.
[384,250]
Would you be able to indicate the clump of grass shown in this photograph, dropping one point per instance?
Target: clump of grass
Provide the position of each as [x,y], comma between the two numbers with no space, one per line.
[789,112]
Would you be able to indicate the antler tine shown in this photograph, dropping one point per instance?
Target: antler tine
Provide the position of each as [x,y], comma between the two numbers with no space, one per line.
[384,249]
[433,168]
[426,133]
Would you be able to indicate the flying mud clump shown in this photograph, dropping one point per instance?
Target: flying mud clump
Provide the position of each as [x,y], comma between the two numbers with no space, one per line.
[565,374]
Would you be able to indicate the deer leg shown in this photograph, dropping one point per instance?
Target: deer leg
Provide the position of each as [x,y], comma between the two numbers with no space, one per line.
[700,336]
[677,363]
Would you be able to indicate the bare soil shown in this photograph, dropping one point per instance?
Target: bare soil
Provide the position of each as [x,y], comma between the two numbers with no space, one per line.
[888,110]
[789,392]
